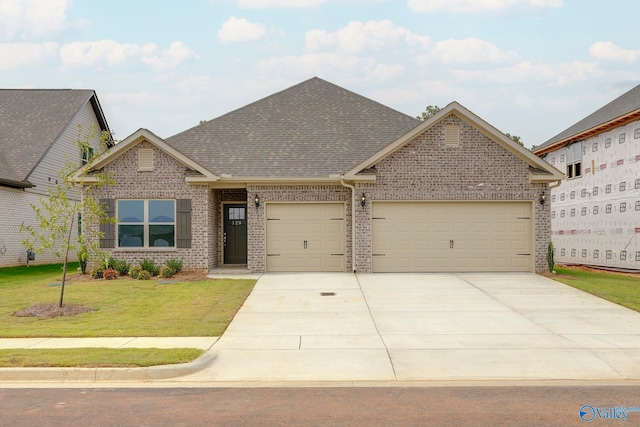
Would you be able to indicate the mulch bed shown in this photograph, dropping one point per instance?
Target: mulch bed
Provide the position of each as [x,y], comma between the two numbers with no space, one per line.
[183,276]
[49,311]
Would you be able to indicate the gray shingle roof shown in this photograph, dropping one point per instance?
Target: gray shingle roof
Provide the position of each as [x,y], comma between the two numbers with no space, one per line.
[312,129]
[626,103]
[30,120]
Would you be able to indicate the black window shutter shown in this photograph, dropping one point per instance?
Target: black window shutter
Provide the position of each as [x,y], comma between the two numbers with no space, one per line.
[108,228]
[183,223]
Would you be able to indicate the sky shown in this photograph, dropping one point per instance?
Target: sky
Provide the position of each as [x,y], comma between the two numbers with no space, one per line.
[529,67]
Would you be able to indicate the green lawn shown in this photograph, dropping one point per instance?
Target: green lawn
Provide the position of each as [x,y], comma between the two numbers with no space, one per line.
[618,288]
[96,357]
[124,308]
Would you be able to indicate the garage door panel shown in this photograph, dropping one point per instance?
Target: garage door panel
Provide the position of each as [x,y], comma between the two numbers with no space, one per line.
[306,236]
[416,236]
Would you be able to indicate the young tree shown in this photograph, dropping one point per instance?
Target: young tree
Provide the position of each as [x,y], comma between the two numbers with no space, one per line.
[56,213]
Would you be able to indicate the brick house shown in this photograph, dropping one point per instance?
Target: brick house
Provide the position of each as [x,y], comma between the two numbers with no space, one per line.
[595,214]
[318,178]
[38,136]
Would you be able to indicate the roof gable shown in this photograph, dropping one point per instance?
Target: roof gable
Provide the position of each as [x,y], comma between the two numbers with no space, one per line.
[30,122]
[544,172]
[624,109]
[311,130]
[83,174]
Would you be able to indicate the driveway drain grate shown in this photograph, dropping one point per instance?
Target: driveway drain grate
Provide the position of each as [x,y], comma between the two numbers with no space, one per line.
[327,294]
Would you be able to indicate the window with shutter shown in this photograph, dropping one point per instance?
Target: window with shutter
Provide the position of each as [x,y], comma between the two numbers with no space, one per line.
[107,228]
[183,223]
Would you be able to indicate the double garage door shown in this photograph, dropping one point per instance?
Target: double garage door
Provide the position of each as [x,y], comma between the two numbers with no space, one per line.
[405,236]
[305,237]
[451,236]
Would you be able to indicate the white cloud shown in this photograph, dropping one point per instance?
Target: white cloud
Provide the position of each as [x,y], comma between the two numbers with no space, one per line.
[268,4]
[473,6]
[560,74]
[358,36]
[32,18]
[465,51]
[385,72]
[240,30]
[607,51]
[14,55]
[174,55]
[101,52]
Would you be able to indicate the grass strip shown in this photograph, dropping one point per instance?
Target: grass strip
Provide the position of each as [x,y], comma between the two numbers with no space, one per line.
[96,357]
[621,289]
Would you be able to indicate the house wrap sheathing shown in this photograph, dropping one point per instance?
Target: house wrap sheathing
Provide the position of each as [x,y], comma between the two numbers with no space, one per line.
[595,213]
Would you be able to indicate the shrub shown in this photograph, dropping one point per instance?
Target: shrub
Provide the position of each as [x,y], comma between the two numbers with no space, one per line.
[166,271]
[149,265]
[144,275]
[122,267]
[109,262]
[83,257]
[550,261]
[110,274]
[97,272]
[175,265]
[134,272]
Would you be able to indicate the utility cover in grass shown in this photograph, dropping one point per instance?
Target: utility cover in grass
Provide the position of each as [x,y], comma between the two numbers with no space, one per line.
[49,311]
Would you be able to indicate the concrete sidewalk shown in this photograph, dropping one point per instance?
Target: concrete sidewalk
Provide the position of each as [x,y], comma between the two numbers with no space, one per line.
[203,343]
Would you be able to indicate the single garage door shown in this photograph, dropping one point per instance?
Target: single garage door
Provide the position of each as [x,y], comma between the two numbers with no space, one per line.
[305,237]
[451,236]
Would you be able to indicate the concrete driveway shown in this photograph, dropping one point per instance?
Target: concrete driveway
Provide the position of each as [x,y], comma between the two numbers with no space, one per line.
[421,327]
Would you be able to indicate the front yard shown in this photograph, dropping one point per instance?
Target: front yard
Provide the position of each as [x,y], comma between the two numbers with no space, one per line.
[185,305]
[123,307]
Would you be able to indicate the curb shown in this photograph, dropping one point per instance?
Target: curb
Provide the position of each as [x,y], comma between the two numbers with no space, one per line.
[105,374]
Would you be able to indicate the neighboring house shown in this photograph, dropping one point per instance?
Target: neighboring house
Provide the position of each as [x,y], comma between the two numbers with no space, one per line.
[596,212]
[38,133]
[318,178]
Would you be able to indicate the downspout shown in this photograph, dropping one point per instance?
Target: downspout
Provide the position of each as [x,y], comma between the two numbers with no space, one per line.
[353,223]
[555,184]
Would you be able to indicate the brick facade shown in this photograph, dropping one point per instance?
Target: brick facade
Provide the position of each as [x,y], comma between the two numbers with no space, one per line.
[166,181]
[289,193]
[478,169]
[424,169]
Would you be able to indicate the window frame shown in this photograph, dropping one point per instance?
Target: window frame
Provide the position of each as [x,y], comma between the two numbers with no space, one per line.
[86,153]
[147,225]
[574,160]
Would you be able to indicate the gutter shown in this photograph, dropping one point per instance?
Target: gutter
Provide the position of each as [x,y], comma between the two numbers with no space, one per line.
[353,222]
